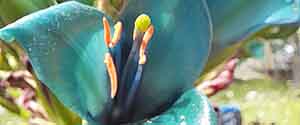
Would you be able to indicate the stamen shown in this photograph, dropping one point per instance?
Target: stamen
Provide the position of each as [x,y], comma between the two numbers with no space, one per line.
[133,69]
[117,34]
[111,69]
[106,27]
[147,36]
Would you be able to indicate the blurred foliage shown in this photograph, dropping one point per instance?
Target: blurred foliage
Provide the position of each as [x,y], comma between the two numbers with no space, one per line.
[8,118]
[11,10]
[1,23]
[263,100]
[243,49]
[89,2]
[56,111]
[12,59]
[274,32]
[216,61]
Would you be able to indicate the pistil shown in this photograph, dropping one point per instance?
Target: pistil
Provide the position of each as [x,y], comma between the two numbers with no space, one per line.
[135,65]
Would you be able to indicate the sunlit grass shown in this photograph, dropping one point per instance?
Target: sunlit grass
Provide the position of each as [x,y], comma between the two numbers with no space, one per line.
[7,118]
[265,101]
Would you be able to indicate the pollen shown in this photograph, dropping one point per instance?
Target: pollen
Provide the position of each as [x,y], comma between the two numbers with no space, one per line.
[142,22]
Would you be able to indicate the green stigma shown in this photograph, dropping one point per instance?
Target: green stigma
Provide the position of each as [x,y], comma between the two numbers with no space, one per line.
[142,22]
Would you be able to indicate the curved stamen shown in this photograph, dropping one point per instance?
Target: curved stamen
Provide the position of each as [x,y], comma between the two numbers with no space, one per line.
[106,27]
[111,69]
[110,43]
[146,39]
[142,60]
[113,48]
[142,34]
[117,34]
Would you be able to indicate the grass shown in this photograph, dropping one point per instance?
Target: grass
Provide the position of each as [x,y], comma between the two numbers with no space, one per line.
[7,118]
[265,101]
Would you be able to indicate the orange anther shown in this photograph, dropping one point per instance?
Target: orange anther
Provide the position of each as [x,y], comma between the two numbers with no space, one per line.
[146,38]
[106,31]
[117,34]
[111,69]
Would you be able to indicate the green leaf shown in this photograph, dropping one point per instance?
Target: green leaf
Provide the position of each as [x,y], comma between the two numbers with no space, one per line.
[88,2]
[9,105]
[66,48]
[277,32]
[11,10]
[2,24]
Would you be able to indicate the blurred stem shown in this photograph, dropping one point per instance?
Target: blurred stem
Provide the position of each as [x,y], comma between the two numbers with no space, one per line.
[2,24]
[296,41]
[42,98]
[8,48]
[269,56]
[112,8]
[14,108]
[68,117]
[117,4]
[217,62]
[56,111]
[9,105]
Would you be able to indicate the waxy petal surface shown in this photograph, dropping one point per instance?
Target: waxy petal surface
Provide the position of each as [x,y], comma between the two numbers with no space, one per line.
[66,48]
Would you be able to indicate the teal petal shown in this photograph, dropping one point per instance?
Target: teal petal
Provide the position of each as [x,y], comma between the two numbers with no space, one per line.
[287,20]
[176,54]
[192,108]
[287,14]
[66,48]
[235,20]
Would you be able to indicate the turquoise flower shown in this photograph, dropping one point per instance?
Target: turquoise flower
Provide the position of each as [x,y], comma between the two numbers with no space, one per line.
[123,80]
[66,47]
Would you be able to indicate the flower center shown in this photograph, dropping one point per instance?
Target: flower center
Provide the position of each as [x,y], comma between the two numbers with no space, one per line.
[142,34]
[125,80]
